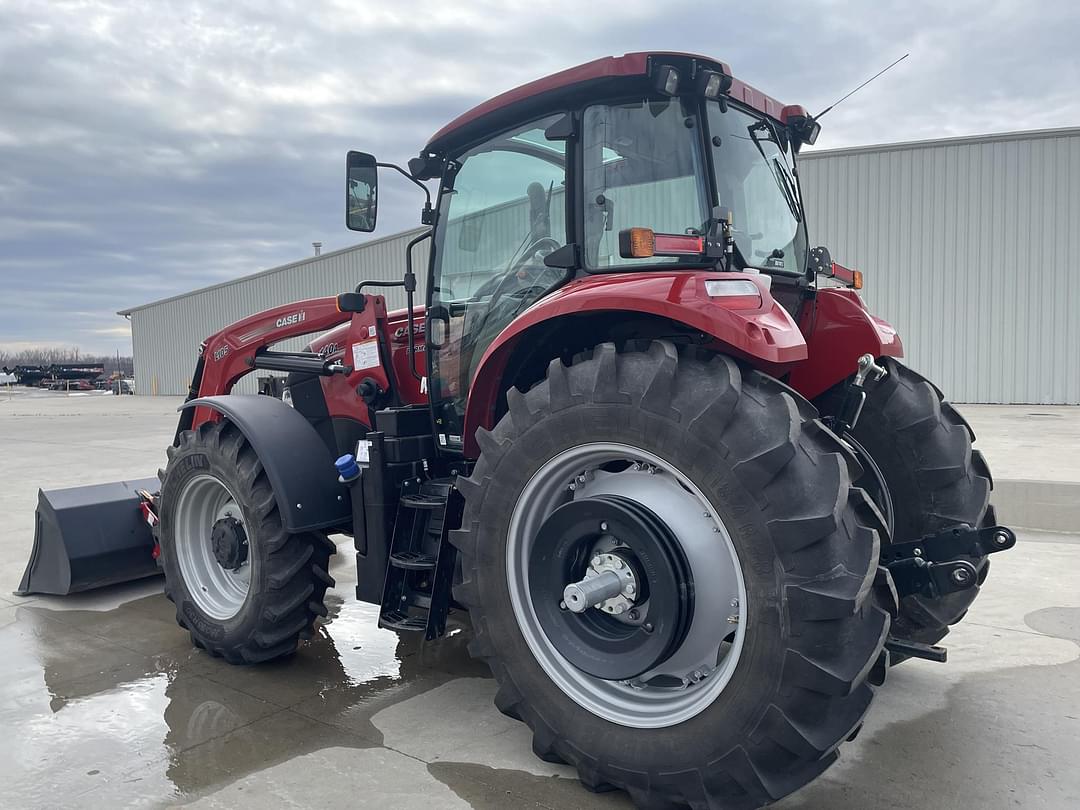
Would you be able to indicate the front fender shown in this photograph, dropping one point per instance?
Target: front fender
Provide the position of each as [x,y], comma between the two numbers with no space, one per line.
[764,335]
[296,460]
[838,330]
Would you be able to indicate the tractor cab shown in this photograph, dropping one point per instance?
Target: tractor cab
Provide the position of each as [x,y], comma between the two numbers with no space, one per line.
[647,162]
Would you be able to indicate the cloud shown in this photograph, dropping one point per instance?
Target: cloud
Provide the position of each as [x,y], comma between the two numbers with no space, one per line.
[150,148]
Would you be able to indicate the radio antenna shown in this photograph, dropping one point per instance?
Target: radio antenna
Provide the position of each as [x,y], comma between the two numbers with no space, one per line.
[861,86]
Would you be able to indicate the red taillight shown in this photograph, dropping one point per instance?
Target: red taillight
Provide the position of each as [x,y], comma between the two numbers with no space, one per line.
[669,244]
[851,278]
[640,243]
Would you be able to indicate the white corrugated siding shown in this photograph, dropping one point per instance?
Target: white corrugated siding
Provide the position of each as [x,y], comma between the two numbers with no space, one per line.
[166,335]
[971,248]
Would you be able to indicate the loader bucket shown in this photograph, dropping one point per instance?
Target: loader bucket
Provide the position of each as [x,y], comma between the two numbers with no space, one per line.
[88,537]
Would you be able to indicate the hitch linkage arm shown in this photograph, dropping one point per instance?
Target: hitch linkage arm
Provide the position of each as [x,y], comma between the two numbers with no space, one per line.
[932,566]
[855,394]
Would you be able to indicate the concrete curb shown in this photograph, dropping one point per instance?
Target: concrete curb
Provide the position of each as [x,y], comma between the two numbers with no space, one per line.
[1052,506]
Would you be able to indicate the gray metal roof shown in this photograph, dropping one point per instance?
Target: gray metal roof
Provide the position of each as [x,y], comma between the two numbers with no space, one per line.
[279,269]
[960,140]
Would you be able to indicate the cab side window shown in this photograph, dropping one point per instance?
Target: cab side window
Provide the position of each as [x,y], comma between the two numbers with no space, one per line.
[501,214]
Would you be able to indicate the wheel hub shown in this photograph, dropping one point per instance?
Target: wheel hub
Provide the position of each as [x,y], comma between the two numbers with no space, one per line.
[611,586]
[694,671]
[229,542]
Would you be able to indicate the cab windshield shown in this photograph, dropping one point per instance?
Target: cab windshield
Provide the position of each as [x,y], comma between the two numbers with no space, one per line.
[755,180]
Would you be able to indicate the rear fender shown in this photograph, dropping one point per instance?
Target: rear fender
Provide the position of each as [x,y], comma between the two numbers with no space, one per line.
[764,335]
[839,329]
[297,461]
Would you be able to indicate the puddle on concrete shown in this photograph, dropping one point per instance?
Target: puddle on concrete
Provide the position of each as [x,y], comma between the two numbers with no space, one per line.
[115,706]
[996,739]
[1004,739]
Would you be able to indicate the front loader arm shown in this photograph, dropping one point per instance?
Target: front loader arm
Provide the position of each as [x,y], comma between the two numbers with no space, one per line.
[241,347]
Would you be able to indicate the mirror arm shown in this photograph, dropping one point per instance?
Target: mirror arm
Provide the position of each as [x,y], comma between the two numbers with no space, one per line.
[410,288]
[426,216]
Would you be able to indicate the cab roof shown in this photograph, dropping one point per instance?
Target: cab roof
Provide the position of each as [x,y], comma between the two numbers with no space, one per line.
[595,76]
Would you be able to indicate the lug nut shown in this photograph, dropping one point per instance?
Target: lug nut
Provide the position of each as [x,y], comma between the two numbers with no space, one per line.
[603,526]
[961,576]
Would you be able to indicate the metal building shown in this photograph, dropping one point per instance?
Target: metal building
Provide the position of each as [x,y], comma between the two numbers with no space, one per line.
[166,334]
[969,247]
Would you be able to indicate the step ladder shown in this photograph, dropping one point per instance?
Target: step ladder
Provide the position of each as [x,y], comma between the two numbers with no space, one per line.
[420,570]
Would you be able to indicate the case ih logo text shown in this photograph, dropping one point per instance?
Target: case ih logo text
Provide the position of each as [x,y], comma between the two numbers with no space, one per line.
[291,320]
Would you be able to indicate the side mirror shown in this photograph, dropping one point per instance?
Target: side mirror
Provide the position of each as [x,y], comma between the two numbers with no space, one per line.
[361,192]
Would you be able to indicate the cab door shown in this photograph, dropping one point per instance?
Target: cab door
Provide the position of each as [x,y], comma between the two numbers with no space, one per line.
[502,211]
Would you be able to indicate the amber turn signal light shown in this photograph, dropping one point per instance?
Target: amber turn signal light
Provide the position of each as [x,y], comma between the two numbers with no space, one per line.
[637,243]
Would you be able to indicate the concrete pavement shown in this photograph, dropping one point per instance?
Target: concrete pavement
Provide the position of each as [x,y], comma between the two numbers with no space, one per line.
[105,703]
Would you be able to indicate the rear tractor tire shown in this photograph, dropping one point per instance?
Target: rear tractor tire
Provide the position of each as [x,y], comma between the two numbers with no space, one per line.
[922,447]
[737,635]
[245,588]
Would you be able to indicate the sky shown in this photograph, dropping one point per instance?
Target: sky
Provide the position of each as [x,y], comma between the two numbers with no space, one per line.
[151,148]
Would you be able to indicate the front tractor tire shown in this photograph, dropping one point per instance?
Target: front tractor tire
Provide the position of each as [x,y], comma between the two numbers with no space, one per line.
[744,640]
[934,477]
[245,588]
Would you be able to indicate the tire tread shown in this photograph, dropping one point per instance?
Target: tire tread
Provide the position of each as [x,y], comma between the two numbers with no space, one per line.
[839,607]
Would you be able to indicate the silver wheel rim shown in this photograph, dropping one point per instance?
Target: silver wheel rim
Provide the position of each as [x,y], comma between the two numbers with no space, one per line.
[219,593]
[704,663]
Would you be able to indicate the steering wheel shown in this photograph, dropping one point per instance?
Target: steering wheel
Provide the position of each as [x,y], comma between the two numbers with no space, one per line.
[533,249]
[519,264]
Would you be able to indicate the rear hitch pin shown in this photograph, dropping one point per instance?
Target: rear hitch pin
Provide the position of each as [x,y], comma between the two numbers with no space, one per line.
[855,394]
[866,367]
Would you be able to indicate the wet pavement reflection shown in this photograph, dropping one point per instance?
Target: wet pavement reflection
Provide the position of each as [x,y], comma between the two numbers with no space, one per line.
[113,707]
[117,703]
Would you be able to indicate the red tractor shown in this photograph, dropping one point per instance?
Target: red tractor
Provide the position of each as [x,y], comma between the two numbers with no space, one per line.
[690,499]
